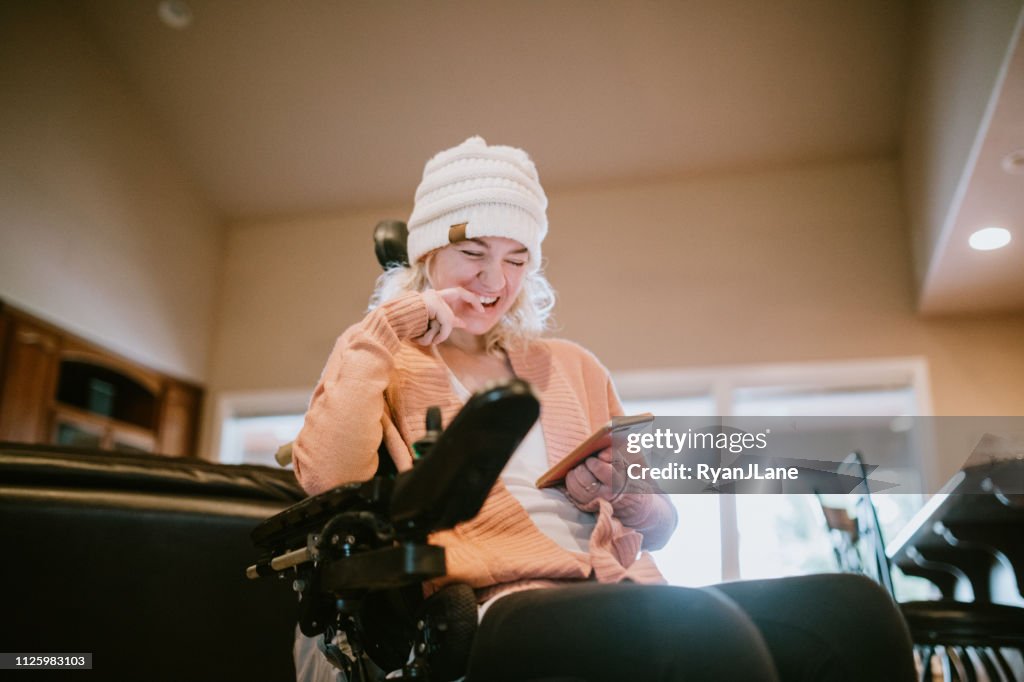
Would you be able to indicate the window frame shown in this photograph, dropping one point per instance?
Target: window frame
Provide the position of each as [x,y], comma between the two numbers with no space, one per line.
[721,382]
[260,403]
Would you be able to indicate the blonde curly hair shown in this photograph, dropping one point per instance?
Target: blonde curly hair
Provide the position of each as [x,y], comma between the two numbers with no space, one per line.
[528,318]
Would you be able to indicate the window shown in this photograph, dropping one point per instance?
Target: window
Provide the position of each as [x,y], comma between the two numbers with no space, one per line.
[254,440]
[757,536]
[251,426]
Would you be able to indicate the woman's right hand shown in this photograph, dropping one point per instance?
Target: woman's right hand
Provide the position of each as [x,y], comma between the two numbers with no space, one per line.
[441,318]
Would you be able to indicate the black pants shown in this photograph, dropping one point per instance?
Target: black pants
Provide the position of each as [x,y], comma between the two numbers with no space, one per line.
[826,628]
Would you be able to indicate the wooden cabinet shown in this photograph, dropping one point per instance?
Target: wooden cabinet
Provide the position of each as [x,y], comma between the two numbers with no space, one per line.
[57,388]
[179,414]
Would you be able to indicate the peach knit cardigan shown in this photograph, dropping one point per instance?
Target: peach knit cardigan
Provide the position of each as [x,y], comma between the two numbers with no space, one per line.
[378,384]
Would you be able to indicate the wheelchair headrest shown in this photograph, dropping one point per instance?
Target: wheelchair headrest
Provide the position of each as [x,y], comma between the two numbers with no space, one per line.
[389,243]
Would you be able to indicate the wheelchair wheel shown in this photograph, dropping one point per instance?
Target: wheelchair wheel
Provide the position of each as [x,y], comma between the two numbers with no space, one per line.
[449,619]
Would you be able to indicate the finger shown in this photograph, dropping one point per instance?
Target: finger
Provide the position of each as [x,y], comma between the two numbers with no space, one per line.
[440,303]
[444,329]
[432,301]
[445,323]
[473,300]
[461,294]
[582,482]
[458,323]
[582,475]
[603,471]
[572,479]
[615,457]
[431,333]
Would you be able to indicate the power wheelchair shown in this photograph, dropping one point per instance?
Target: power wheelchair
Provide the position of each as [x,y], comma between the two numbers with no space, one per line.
[357,556]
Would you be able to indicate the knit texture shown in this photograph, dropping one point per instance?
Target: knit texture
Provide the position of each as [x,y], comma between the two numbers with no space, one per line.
[377,384]
[494,190]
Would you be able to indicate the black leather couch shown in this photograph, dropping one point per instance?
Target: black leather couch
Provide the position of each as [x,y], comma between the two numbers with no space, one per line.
[140,560]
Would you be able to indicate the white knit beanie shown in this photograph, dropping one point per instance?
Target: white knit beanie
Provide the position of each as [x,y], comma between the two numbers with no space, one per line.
[476,190]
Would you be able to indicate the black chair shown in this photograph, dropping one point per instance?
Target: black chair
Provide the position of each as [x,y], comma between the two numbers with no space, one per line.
[136,559]
[962,637]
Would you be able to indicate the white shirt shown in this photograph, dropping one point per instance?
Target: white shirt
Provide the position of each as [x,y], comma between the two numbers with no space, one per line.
[553,514]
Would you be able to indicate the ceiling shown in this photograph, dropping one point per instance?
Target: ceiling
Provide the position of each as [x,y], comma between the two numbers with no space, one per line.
[284,107]
[962,280]
[280,107]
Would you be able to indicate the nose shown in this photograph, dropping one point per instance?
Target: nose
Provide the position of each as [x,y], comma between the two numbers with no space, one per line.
[492,276]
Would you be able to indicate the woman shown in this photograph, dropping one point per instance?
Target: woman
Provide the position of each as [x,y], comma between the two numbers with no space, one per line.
[469,310]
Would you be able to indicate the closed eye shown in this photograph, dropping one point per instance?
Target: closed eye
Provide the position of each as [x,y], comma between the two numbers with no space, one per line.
[472,254]
[516,263]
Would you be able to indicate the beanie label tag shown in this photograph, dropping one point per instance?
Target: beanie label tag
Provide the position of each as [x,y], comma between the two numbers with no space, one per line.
[457,233]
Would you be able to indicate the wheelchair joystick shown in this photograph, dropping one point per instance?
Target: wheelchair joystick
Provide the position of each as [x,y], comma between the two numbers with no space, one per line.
[423,446]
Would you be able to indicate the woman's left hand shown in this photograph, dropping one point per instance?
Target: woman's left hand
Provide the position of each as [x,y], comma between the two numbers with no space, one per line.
[593,478]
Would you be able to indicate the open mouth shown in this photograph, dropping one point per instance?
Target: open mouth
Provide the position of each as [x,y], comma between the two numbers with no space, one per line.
[489,301]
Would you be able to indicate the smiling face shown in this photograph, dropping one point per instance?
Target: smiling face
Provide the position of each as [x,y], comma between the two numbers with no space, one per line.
[490,267]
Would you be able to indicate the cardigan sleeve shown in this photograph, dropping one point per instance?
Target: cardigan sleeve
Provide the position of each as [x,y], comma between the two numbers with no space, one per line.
[343,425]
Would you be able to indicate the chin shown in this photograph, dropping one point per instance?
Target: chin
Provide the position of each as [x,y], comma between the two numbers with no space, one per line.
[480,328]
[477,324]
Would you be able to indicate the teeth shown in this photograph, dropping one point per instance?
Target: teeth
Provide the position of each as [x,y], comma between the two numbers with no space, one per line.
[487,300]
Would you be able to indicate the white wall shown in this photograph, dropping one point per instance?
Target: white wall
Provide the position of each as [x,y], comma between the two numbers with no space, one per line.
[290,287]
[102,233]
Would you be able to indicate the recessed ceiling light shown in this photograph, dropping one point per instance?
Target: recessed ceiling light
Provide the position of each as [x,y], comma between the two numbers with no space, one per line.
[989,238]
[174,13]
